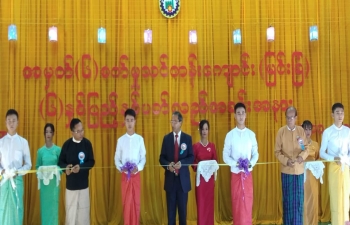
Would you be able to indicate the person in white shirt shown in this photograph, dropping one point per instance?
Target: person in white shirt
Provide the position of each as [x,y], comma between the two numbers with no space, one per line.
[130,159]
[241,146]
[336,140]
[14,162]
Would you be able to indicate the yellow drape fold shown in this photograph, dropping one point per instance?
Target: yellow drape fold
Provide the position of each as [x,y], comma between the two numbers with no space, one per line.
[78,77]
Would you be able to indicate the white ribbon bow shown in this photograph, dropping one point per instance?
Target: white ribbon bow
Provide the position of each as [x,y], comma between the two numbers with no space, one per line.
[344,159]
[46,174]
[8,175]
[206,168]
[316,168]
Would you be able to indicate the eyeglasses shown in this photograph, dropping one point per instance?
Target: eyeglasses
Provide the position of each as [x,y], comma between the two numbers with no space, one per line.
[174,121]
[78,131]
[290,117]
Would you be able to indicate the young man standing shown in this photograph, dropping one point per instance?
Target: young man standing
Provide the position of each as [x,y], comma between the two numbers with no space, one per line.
[240,144]
[336,140]
[14,162]
[78,158]
[130,159]
[291,151]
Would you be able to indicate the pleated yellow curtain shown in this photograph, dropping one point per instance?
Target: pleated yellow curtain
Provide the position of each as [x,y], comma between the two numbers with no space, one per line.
[79,77]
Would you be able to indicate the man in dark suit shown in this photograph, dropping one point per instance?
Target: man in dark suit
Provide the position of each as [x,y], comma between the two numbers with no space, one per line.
[175,157]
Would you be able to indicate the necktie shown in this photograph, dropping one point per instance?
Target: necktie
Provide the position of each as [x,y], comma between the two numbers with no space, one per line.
[176,152]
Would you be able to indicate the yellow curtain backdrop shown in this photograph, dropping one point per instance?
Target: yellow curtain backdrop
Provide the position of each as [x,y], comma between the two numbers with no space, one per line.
[50,82]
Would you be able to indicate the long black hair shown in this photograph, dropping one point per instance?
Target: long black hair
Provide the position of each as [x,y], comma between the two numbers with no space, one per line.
[201,125]
[51,126]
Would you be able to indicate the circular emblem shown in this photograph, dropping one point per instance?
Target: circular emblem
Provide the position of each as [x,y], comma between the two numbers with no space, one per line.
[81,157]
[183,146]
[169,8]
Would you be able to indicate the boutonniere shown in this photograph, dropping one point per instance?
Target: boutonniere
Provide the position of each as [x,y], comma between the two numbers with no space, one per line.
[208,149]
[183,148]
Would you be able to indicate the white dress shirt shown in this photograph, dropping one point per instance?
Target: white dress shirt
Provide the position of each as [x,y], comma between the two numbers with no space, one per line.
[130,148]
[178,138]
[14,154]
[337,143]
[240,143]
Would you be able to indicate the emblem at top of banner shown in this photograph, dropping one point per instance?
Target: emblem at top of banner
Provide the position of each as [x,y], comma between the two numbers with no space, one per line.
[169,8]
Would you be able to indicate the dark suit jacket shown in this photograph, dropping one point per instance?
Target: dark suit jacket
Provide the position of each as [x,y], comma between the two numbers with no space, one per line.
[185,157]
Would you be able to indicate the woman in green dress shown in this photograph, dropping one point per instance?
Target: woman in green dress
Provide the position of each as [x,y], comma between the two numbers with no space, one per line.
[48,177]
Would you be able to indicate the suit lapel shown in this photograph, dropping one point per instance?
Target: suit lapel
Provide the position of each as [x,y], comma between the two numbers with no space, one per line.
[181,141]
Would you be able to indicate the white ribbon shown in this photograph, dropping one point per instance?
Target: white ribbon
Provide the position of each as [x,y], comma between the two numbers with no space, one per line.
[206,168]
[46,174]
[316,168]
[344,159]
[8,175]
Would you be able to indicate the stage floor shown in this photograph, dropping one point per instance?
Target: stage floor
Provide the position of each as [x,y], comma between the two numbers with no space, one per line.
[325,223]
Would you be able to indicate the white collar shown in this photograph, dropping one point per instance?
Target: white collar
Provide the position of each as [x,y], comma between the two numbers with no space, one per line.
[130,136]
[11,136]
[291,129]
[338,128]
[241,130]
[76,140]
[179,134]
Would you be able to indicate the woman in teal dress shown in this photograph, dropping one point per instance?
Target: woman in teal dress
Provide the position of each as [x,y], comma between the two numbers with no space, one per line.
[48,177]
